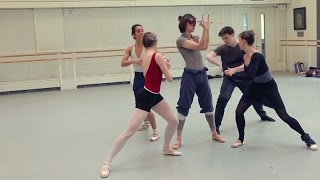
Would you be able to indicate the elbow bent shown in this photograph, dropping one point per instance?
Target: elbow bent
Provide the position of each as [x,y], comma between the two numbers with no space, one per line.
[170,79]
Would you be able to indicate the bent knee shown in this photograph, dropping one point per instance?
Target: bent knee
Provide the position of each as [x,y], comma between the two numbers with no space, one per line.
[173,121]
[239,112]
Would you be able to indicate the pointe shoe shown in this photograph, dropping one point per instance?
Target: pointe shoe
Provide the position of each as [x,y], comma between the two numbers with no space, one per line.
[155,135]
[218,138]
[172,152]
[105,171]
[237,144]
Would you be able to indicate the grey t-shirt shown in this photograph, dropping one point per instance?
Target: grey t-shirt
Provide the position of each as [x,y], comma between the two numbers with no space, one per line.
[231,57]
[192,57]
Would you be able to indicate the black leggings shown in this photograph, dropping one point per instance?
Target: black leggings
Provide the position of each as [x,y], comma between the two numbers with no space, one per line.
[282,113]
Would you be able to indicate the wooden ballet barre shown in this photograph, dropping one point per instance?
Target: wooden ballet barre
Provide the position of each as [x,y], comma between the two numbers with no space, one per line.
[73,53]
[35,54]
[33,60]
[91,51]
[114,55]
[292,40]
[297,45]
[67,58]
[87,57]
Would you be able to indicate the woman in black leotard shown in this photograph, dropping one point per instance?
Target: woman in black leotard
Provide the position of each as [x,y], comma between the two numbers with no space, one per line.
[263,89]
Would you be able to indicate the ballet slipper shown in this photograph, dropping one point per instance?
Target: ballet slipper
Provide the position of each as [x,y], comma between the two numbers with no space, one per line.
[155,136]
[171,152]
[237,144]
[105,171]
[218,138]
[313,147]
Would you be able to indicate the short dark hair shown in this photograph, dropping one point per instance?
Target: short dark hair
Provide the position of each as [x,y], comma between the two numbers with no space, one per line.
[248,36]
[187,18]
[133,28]
[149,39]
[226,30]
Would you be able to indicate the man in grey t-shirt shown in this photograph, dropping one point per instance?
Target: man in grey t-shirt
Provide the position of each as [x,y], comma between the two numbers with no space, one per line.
[194,78]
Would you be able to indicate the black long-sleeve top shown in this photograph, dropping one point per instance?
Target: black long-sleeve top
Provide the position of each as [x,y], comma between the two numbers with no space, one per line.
[257,69]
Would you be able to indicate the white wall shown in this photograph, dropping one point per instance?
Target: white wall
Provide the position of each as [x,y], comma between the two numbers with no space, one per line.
[125,3]
[308,55]
[78,29]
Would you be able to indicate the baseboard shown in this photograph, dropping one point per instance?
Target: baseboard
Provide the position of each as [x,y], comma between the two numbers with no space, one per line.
[71,83]
[29,84]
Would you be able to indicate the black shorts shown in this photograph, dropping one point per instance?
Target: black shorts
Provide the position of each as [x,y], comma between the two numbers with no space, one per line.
[145,100]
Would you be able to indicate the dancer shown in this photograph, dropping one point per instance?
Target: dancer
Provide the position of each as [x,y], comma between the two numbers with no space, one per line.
[153,66]
[229,52]
[133,56]
[263,88]
[194,78]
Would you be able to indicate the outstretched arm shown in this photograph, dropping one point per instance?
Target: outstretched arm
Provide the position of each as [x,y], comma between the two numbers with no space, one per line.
[211,57]
[232,71]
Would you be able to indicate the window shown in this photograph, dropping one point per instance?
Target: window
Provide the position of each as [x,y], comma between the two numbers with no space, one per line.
[245,22]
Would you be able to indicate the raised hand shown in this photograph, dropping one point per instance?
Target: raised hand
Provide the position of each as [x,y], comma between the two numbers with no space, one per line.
[205,23]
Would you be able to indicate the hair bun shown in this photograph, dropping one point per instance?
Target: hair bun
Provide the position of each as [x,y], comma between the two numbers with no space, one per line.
[179,18]
[251,32]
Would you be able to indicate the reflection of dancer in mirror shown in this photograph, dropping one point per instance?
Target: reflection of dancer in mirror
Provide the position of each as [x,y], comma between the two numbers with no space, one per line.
[154,65]
[263,89]
[194,78]
[133,55]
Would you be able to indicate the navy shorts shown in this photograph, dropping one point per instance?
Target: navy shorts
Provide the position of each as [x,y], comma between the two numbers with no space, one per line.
[138,83]
[194,82]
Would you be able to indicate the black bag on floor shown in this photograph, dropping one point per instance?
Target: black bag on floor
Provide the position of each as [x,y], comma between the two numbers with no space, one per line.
[299,67]
[313,72]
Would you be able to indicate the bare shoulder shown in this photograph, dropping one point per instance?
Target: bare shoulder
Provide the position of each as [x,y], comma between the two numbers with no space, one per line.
[158,56]
[129,49]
